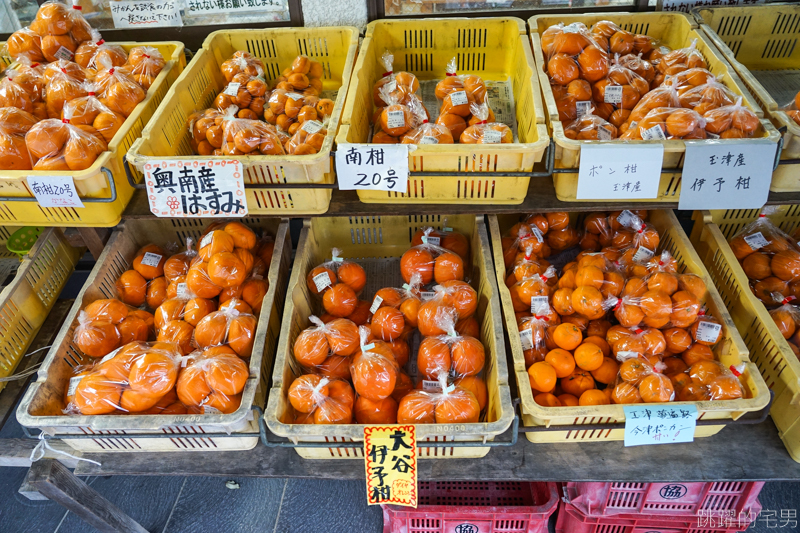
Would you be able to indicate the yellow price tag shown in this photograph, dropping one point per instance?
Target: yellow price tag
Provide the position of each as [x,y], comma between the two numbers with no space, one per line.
[390,454]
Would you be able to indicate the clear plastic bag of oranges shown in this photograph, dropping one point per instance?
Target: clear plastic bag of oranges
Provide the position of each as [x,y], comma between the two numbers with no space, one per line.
[664,123]
[451,403]
[25,43]
[769,258]
[132,379]
[346,279]
[242,61]
[483,131]
[14,125]
[681,59]
[400,84]
[248,93]
[533,331]
[61,29]
[90,111]
[636,63]
[308,138]
[243,136]
[641,380]
[396,117]
[89,51]
[227,326]
[14,95]
[590,127]
[452,354]
[98,332]
[145,63]
[455,299]
[321,400]
[315,345]
[373,368]
[530,291]
[432,262]
[426,132]
[212,379]
[57,145]
[732,121]
[455,93]
[117,87]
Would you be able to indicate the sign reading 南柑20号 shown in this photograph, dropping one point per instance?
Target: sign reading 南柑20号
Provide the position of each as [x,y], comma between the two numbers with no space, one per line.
[191,188]
[390,456]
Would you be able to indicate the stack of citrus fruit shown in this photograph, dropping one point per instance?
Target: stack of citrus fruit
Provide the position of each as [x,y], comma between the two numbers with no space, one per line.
[360,366]
[619,325]
[205,303]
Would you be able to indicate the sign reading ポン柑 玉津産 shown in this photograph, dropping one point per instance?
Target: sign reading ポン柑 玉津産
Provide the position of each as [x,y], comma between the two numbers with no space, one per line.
[619,172]
[190,188]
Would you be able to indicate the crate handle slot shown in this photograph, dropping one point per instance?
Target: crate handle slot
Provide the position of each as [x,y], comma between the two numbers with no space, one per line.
[286,443]
[111,185]
[756,417]
[334,185]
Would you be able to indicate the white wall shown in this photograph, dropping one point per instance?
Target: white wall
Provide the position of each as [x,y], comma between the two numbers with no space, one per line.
[335,13]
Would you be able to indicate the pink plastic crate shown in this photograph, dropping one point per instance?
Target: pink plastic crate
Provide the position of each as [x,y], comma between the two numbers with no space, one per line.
[475,507]
[571,520]
[672,499]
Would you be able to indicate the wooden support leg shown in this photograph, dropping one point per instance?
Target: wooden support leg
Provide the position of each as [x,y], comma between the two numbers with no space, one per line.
[53,480]
[94,239]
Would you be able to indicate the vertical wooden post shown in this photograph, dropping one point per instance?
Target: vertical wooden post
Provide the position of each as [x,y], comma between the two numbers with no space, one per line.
[94,239]
[53,480]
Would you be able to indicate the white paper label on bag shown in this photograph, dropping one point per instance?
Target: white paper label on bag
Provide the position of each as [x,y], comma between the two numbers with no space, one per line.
[73,384]
[150,259]
[435,241]
[539,302]
[232,89]
[192,188]
[311,126]
[708,331]
[626,218]
[395,119]
[431,385]
[182,291]
[55,191]
[376,304]
[603,134]
[537,233]
[727,174]
[613,94]
[428,139]
[654,134]
[459,98]
[624,355]
[322,280]
[491,136]
[208,410]
[426,295]
[666,424]
[391,85]
[643,254]
[207,239]
[146,13]
[64,54]
[526,339]
[612,172]
[294,96]
[584,108]
[756,241]
[377,167]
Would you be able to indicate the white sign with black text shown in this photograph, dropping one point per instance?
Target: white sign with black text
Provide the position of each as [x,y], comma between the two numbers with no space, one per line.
[377,167]
[726,175]
[619,172]
[55,191]
[196,189]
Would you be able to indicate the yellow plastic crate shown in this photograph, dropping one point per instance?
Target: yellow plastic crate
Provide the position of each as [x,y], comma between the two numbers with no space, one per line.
[767,64]
[730,350]
[103,187]
[768,349]
[27,300]
[494,48]
[41,407]
[676,30]
[377,244]
[167,136]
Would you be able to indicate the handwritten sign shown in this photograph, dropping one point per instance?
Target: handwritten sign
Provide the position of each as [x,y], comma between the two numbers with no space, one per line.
[729,175]
[203,7]
[146,14]
[190,188]
[55,191]
[390,454]
[659,424]
[614,172]
[381,167]
[686,6]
